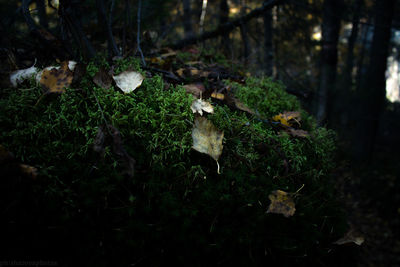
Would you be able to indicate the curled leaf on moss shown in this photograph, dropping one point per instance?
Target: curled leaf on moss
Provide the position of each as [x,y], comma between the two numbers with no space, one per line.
[18,76]
[207,138]
[200,105]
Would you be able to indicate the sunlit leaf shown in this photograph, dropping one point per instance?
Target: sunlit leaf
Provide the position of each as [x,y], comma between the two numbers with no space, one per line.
[288,118]
[218,96]
[199,105]
[207,138]
[128,81]
[18,76]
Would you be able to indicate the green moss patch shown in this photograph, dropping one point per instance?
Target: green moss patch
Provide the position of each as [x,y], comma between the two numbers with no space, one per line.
[175,208]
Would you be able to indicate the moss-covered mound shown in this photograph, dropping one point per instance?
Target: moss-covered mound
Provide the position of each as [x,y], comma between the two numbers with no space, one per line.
[175,208]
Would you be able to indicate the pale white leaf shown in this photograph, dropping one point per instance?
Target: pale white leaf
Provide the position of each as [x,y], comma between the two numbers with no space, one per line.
[19,76]
[200,105]
[128,81]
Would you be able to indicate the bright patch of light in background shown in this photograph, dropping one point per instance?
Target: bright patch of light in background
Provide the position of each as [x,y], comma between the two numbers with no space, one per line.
[317,34]
[392,80]
[393,72]
[234,10]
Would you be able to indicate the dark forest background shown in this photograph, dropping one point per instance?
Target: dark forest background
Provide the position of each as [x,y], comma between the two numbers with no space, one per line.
[339,57]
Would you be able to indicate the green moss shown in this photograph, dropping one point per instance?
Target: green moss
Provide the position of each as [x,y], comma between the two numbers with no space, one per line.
[176,202]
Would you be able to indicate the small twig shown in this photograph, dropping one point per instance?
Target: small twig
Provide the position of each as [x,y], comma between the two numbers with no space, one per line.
[102,113]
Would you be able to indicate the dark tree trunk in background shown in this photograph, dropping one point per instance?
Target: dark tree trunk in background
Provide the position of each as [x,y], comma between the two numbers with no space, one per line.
[244,36]
[373,85]
[246,45]
[107,28]
[344,94]
[332,10]
[41,6]
[127,31]
[223,18]
[187,18]
[268,49]
[361,58]
[69,11]
[348,71]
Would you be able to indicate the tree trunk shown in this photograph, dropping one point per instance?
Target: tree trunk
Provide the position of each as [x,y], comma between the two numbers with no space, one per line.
[268,49]
[373,89]
[360,61]
[71,14]
[332,10]
[243,34]
[107,28]
[344,94]
[187,18]
[42,13]
[347,75]
[223,18]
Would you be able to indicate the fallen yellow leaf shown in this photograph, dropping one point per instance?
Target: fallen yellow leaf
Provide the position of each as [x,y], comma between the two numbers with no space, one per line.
[207,138]
[281,203]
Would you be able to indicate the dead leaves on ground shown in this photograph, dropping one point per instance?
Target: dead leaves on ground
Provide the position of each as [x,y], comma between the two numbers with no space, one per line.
[281,203]
[8,163]
[352,236]
[56,80]
[196,89]
[288,120]
[103,79]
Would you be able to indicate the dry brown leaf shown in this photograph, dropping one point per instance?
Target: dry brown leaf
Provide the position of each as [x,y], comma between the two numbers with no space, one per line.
[207,138]
[102,79]
[281,203]
[298,133]
[192,72]
[56,80]
[350,237]
[239,105]
[196,89]
[28,171]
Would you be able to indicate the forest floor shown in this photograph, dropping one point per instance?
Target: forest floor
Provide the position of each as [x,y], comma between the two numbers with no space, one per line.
[371,198]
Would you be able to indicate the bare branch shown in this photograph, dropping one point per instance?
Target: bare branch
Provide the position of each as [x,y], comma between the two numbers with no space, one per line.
[226,27]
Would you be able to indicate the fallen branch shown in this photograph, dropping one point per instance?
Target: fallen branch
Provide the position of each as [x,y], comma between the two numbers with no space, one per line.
[226,27]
